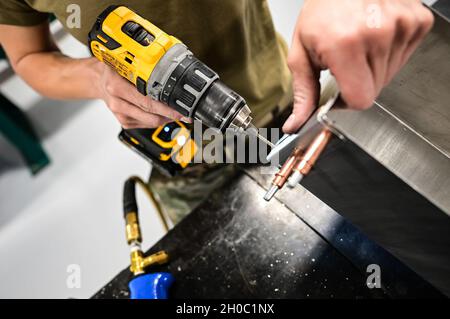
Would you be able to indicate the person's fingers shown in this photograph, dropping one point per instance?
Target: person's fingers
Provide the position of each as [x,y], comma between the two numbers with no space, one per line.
[306,87]
[349,64]
[379,46]
[378,64]
[404,31]
[121,88]
[129,114]
[159,108]
[129,123]
[426,21]
[125,121]
[148,119]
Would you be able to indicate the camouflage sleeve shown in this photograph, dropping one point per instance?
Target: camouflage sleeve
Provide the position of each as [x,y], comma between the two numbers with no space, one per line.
[18,12]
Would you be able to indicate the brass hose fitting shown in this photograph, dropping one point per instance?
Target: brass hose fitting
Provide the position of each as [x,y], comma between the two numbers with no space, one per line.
[133,232]
[139,262]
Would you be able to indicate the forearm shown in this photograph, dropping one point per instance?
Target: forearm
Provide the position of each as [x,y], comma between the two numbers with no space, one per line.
[37,60]
[60,77]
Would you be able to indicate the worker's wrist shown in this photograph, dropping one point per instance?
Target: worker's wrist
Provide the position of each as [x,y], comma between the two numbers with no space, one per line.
[95,71]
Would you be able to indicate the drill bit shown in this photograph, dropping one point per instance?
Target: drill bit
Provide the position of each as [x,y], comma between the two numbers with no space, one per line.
[255,132]
[265,140]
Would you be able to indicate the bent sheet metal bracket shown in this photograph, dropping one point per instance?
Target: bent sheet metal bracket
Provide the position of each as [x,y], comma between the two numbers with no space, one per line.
[330,98]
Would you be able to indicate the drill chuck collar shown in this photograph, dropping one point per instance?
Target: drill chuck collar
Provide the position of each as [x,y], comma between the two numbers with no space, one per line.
[186,84]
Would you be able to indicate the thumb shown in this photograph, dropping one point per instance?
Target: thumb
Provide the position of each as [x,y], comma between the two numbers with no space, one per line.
[306,87]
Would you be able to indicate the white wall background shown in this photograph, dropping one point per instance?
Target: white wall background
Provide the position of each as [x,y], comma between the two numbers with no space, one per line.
[71,213]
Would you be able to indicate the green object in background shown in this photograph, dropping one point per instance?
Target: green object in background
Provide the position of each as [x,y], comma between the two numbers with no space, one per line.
[2,54]
[19,131]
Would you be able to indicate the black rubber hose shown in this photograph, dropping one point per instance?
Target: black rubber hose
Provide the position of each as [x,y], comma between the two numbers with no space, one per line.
[129,197]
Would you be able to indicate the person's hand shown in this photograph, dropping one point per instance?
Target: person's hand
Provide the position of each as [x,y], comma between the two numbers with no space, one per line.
[364,43]
[131,108]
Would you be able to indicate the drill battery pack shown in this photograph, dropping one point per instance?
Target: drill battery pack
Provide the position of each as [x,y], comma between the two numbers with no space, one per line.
[170,148]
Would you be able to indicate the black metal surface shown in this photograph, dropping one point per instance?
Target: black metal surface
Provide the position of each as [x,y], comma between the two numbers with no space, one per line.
[235,246]
[238,246]
[386,209]
[443,7]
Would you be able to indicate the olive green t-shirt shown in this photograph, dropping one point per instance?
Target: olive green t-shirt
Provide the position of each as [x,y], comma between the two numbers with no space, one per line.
[236,38]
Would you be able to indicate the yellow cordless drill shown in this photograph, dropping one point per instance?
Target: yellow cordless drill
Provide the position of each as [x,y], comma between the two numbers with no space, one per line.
[161,66]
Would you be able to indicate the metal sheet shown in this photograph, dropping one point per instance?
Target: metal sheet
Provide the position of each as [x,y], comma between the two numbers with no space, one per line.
[408,129]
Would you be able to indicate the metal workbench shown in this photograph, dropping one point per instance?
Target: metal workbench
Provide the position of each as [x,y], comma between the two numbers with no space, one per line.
[236,245]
